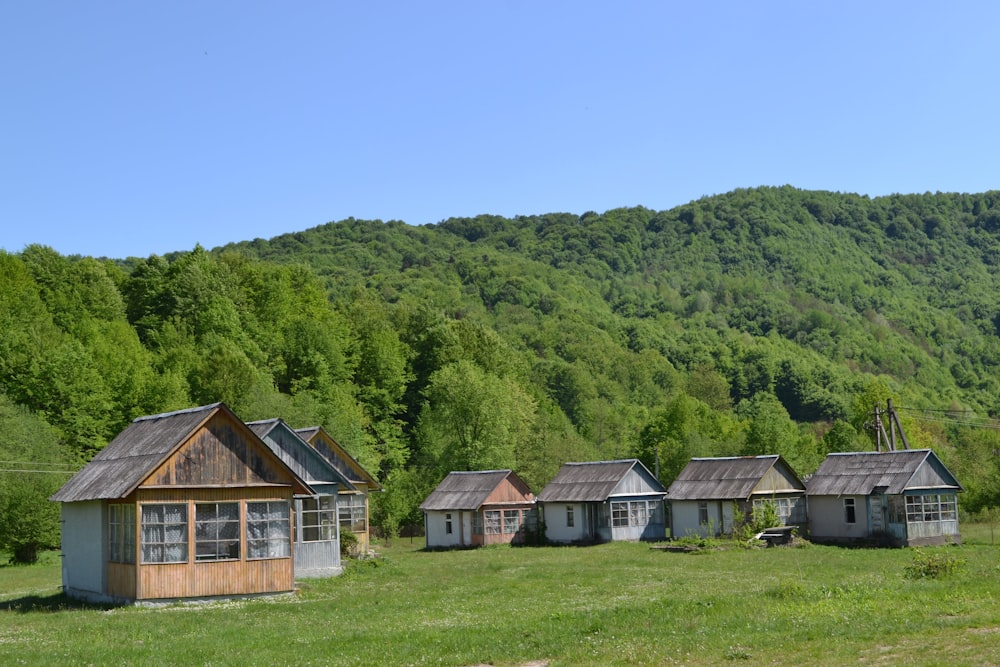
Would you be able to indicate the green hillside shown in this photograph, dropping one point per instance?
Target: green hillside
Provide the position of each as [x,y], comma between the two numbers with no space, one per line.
[765,320]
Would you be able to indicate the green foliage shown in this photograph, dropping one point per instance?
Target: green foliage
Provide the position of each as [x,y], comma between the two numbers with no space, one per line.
[32,466]
[766,320]
[933,565]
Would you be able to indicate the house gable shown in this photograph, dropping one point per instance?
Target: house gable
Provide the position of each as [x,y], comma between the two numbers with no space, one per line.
[222,452]
[511,489]
[638,481]
[298,454]
[931,474]
[779,479]
[338,457]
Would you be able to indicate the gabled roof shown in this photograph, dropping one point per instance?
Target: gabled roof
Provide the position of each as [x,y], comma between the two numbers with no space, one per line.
[730,478]
[597,481]
[301,457]
[863,473]
[471,490]
[338,457]
[138,451]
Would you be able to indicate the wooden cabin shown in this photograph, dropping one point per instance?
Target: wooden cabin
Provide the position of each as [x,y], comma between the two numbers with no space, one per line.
[317,534]
[603,501]
[352,504]
[183,505]
[898,498]
[711,494]
[470,509]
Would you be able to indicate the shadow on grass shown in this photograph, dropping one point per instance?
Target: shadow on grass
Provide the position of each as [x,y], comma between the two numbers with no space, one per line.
[32,604]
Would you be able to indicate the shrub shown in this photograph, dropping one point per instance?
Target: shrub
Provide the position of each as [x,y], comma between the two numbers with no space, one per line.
[932,565]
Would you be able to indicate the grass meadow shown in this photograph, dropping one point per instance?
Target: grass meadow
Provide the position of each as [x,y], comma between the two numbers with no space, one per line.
[614,604]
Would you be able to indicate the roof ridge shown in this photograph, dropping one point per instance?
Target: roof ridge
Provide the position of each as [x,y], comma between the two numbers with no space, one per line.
[162,415]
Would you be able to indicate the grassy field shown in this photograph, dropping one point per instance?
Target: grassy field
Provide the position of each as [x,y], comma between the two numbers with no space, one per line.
[615,604]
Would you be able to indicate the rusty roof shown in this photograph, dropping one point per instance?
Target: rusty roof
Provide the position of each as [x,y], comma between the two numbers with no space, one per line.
[592,481]
[726,478]
[463,490]
[863,473]
[128,459]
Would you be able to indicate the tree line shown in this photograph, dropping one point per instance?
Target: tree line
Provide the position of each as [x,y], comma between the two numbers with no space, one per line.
[768,320]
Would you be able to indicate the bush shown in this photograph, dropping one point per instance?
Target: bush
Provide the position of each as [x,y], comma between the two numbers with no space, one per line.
[932,565]
[348,544]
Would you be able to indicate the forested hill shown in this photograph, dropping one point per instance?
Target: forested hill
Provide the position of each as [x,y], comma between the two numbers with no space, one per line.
[769,320]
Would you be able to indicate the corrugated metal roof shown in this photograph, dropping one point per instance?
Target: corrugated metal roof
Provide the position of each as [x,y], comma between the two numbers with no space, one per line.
[128,459]
[464,490]
[723,478]
[588,482]
[861,473]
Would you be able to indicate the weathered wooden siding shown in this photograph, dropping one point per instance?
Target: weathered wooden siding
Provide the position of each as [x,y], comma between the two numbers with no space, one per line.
[213,578]
[507,492]
[776,480]
[636,482]
[220,454]
[122,579]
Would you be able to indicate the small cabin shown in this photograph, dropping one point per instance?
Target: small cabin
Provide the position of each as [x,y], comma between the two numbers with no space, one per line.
[352,503]
[182,505]
[470,509]
[897,498]
[711,495]
[603,501]
[317,534]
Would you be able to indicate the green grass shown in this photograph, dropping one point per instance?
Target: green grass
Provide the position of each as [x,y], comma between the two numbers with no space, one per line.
[614,604]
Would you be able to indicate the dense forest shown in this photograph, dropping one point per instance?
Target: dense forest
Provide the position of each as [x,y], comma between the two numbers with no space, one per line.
[767,320]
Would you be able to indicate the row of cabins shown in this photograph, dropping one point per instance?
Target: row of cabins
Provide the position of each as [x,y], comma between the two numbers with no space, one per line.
[899,498]
[198,504]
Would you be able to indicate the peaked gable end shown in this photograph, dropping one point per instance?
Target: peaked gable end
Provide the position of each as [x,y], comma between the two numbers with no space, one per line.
[932,474]
[510,490]
[222,452]
[637,481]
[779,479]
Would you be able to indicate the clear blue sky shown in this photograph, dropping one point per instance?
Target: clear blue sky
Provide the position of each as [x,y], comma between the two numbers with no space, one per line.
[138,128]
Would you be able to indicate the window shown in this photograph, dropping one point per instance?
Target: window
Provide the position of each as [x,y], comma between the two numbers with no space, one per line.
[318,520]
[492,520]
[790,510]
[702,514]
[352,512]
[569,516]
[121,533]
[268,530]
[932,507]
[217,531]
[477,524]
[619,514]
[849,515]
[164,533]
[447,524]
[511,521]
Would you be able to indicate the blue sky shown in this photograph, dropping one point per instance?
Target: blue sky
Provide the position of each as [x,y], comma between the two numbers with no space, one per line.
[139,128]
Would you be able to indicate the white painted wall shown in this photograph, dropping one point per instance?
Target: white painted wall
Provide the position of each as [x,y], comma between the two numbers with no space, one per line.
[556,529]
[434,524]
[84,547]
[826,518]
[684,518]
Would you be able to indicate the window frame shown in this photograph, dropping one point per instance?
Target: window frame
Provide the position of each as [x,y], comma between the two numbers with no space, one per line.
[850,511]
[492,522]
[211,543]
[319,522]
[702,513]
[163,545]
[570,516]
[511,521]
[447,524]
[277,545]
[121,533]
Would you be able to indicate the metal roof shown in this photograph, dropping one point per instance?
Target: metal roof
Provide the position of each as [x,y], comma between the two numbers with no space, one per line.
[591,482]
[725,478]
[136,452]
[301,457]
[862,473]
[466,490]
